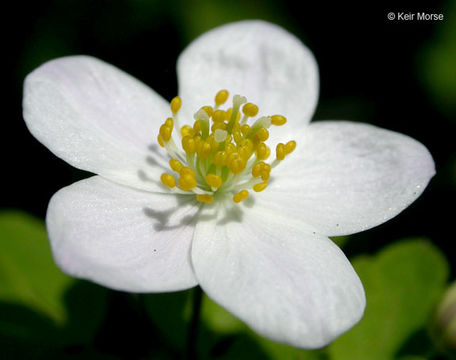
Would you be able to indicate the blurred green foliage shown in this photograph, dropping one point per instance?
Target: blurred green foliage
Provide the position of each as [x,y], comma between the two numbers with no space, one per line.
[48,314]
[403,283]
[41,309]
[437,64]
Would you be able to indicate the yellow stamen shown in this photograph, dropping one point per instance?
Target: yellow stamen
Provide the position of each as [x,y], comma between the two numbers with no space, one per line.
[219,158]
[263,151]
[205,149]
[168,180]
[169,122]
[187,182]
[209,110]
[260,187]
[257,168]
[160,140]
[187,130]
[218,116]
[280,151]
[250,109]
[240,196]
[185,170]
[218,149]
[236,163]
[278,120]
[188,144]
[245,129]
[197,127]
[175,105]
[213,180]
[290,146]
[176,165]
[165,132]
[262,134]
[207,199]
[221,97]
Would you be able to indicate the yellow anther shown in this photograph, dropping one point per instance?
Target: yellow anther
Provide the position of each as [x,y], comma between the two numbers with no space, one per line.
[245,129]
[221,97]
[207,199]
[196,126]
[247,143]
[228,113]
[204,149]
[169,122]
[219,158]
[240,196]
[245,152]
[237,136]
[187,182]
[221,148]
[214,180]
[256,170]
[209,110]
[188,144]
[165,132]
[280,151]
[262,151]
[262,134]
[218,116]
[185,170]
[265,175]
[214,144]
[260,187]
[175,105]
[290,146]
[160,140]
[250,109]
[198,144]
[278,120]
[168,180]
[236,163]
[187,130]
[218,126]
[176,165]
[230,148]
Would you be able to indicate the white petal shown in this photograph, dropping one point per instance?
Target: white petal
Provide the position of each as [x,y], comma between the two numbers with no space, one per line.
[346,177]
[97,118]
[285,281]
[256,59]
[122,238]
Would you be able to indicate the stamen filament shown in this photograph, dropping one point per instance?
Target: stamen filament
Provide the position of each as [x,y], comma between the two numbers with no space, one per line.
[221,153]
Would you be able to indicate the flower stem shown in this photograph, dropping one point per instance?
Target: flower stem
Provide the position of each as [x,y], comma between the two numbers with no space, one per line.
[192,336]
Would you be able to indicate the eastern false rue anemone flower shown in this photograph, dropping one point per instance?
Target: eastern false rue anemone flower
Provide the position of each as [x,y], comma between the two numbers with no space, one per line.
[228,186]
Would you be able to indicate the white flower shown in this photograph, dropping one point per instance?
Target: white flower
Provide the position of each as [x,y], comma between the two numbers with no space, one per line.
[267,259]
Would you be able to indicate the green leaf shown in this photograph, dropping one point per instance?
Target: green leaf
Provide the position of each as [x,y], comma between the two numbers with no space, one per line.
[170,314]
[28,275]
[437,63]
[40,307]
[205,15]
[402,283]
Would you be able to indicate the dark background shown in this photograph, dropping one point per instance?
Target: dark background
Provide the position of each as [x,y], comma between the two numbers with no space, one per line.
[373,70]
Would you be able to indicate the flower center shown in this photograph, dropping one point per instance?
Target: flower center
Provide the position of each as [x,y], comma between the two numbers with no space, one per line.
[221,153]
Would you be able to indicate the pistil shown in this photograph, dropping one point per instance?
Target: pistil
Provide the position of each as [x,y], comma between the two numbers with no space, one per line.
[221,152]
